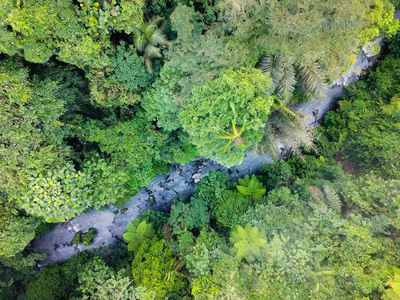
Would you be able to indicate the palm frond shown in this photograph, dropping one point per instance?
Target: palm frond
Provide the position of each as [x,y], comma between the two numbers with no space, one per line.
[157,38]
[333,199]
[393,109]
[287,81]
[152,51]
[268,144]
[139,41]
[312,79]
[290,131]
[149,64]
[273,66]
[148,29]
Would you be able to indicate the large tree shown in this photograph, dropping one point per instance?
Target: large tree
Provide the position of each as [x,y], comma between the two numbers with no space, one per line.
[227,115]
[324,32]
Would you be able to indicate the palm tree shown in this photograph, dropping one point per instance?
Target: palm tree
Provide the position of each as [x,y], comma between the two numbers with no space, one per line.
[286,73]
[148,38]
[284,127]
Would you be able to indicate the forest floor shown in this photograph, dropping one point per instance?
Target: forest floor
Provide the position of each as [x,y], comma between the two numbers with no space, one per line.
[110,222]
[348,166]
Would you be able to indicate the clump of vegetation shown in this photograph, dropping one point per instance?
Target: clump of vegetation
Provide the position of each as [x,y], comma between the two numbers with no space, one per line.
[136,233]
[251,187]
[84,239]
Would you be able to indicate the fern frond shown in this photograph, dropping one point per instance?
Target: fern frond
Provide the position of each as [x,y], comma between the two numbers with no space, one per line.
[378,224]
[316,193]
[393,109]
[312,79]
[333,199]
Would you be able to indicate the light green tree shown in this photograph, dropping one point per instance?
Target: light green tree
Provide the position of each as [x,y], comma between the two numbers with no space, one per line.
[136,233]
[227,115]
[251,187]
[247,242]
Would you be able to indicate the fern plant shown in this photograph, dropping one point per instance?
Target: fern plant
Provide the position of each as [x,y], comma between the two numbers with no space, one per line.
[392,109]
[378,224]
[251,187]
[136,233]
[247,242]
[330,201]
[393,293]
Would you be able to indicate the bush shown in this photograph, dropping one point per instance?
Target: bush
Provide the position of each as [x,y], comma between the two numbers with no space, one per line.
[58,195]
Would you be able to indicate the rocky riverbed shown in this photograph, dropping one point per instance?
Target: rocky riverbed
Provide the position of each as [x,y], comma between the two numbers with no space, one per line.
[110,223]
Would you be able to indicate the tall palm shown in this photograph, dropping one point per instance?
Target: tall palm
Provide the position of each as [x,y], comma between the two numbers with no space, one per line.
[148,38]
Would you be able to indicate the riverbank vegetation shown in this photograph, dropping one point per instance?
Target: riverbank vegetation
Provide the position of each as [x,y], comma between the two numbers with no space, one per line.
[97,97]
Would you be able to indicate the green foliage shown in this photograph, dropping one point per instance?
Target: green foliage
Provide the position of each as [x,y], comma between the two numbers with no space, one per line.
[77,35]
[23,262]
[240,93]
[134,151]
[58,195]
[247,242]
[40,29]
[51,283]
[154,269]
[251,187]
[157,218]
[85,239]
[373,196]
[192,59]
[382,22]
[128,68]
[98,281]
[334,127]
[101,17]
[122,81]
[112,180]
[324,33]
[367,121]
[31,130]
[211,186]
[394,283]
[393,44]
[228,207]
[16,230]
[286,74]
[224,204]
[276,174]
[189,216]
[137,233]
